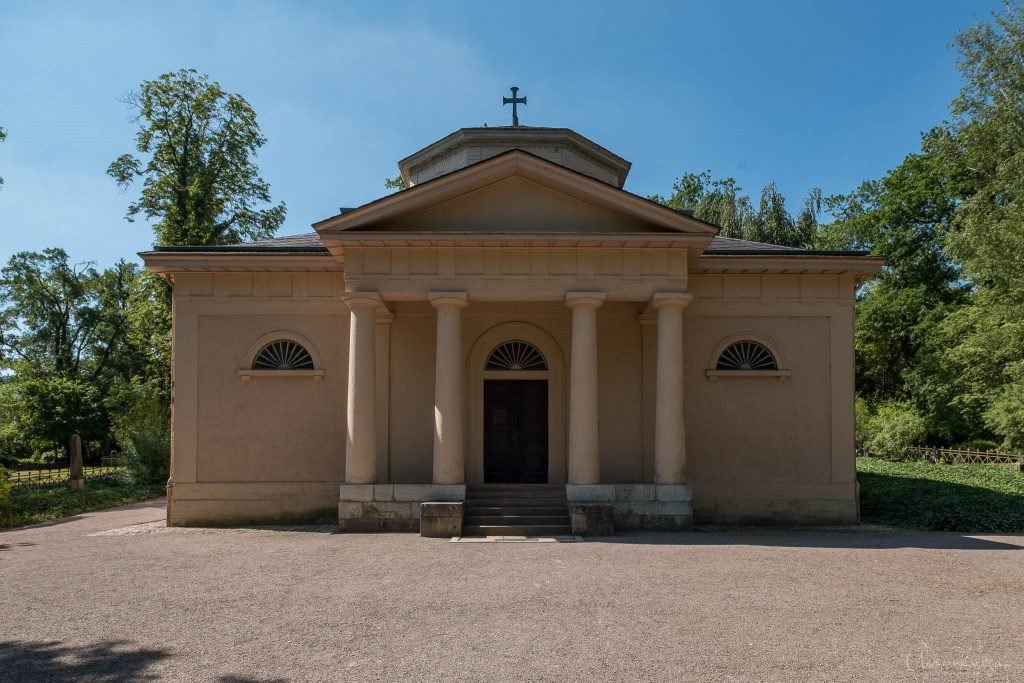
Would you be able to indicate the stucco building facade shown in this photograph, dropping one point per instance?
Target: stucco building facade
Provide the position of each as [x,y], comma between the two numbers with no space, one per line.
[514,326]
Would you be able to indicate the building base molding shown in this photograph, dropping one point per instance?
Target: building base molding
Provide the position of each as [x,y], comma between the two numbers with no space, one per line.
[665,507]
[391,507]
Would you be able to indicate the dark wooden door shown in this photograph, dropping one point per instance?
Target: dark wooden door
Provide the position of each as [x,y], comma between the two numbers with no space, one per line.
[516,431]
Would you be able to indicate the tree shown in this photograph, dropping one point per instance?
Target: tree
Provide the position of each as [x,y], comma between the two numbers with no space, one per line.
[984,140]
[199,181]
[48,318]
[396,183]
[905,217]
[78,348]
[720,202]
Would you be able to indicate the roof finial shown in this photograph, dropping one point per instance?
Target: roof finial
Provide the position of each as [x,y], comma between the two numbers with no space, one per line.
[514,100]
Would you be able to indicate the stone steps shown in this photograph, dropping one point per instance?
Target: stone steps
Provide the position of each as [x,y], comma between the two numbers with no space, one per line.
[510,530]
[516,510]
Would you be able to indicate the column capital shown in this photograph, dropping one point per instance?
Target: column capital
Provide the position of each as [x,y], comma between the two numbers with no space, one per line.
[448,298]
[591,299]
[680,299]
[357,299]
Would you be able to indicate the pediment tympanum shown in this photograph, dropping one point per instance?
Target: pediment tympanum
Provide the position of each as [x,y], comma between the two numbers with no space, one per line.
[515,192]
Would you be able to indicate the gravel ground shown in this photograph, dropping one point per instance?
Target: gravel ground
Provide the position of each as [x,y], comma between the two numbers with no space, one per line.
[116,596]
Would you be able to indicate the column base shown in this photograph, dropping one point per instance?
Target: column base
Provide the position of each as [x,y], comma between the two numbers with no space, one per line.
[390,507]
[662,507]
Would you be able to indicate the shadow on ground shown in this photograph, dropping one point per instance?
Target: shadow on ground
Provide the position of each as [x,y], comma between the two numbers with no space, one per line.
[113,660]
[919,502]
[849,538]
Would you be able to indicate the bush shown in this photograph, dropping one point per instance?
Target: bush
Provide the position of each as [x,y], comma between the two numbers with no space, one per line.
[5,484]
[979,445]
[892,429]
[145,436]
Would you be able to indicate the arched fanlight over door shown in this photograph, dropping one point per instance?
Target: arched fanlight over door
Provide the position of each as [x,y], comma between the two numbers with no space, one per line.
[283,354]
[516,355]
[746,355]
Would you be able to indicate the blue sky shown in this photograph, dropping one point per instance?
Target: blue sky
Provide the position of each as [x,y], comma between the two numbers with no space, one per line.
[808,93]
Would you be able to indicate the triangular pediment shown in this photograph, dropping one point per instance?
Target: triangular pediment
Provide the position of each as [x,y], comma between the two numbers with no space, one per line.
[515,192]
[516,204]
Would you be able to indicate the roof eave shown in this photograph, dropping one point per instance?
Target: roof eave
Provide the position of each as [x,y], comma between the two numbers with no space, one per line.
[836,263]
[201,259]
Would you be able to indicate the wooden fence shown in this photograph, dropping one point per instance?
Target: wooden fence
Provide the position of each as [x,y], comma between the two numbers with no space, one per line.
[959,455]
[58,475]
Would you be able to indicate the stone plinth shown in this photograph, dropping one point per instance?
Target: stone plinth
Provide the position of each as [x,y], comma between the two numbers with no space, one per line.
[441,520]
[592,519]
[665,507]
[390,507]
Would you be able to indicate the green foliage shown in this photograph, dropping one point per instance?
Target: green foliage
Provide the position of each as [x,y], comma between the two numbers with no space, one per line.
[941,497]
[71,339]
[143,431]
[200,180]
[396,183]
[891,428]
[984,358]
[5,485]
[25,505]
[57,407]
[862,421]
[720,202]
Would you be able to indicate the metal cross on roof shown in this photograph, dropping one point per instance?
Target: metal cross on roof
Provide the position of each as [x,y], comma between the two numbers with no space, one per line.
[514,100]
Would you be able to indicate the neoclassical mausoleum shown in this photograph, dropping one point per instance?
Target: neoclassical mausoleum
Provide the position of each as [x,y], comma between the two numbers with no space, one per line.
[512,344]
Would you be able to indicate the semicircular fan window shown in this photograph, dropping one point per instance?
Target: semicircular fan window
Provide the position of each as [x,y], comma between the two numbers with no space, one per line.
[516,355]
[283,354]
[746,355]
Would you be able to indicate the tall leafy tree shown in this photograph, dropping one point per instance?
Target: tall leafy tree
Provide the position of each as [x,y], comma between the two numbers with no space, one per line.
[985,140]
[197,146]
[905,217]
[75,343]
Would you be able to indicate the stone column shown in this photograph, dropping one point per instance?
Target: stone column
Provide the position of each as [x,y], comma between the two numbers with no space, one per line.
[361,444]
[584,461]
[449,460]
[669,425]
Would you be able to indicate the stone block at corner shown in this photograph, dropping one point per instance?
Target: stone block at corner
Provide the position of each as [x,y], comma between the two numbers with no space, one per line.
[362,493]
[348,510]
[672,493]
[441,519]
[590,493]
[629,492]
[592,519]
[384,492]
[421,493]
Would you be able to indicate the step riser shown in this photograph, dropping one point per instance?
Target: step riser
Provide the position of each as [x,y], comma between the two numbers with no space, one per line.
[515,520]
[522,511]
[506,497]
[517,487]
[495,530]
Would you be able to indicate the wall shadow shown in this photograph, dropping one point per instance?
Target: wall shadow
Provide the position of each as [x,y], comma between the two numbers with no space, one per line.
[847,539]
[111,660]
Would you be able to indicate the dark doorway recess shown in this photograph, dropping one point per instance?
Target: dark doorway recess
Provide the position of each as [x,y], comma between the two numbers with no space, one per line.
[515,431]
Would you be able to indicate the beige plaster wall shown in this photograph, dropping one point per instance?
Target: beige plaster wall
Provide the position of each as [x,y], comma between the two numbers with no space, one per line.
[264,448]
[273,449]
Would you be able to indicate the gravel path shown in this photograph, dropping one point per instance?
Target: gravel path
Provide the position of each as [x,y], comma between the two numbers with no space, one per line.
[116,596]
